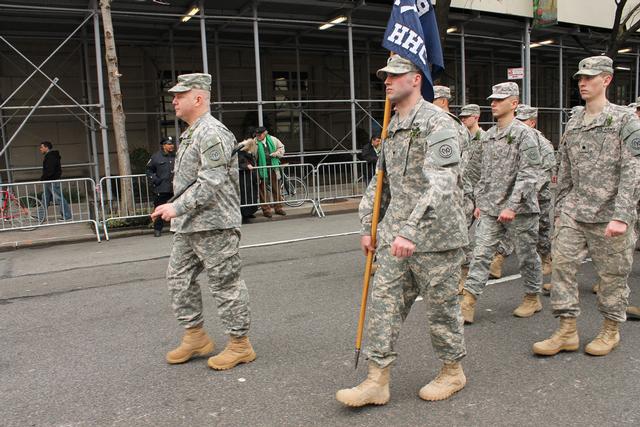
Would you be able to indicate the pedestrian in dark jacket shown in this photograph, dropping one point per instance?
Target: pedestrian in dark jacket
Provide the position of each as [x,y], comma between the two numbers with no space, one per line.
[369,154]
[52,171]
[160,173]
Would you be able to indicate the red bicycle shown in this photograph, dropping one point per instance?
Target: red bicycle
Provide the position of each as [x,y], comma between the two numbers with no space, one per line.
[19,212]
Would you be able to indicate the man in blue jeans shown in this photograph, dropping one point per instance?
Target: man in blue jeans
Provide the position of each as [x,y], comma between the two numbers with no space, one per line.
[52,171]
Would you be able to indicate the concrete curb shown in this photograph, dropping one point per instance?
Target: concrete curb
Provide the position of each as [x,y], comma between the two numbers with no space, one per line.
[87,237]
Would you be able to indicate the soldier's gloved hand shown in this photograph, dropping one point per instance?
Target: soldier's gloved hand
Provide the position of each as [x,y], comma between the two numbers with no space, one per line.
[366,246]
[615,228]
[507,215]
[166,212]
[402,248]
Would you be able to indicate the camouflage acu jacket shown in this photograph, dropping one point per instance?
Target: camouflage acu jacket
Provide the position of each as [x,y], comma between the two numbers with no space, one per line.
[599,167]
[422,194]
[471,163]
[212,202]
[510,170]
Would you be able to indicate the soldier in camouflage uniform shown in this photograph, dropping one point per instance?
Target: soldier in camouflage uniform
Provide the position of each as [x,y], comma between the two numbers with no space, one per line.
[420,238]
[506,201]
[595,210]
[529,116]
[471,161]
[442,97]
[206,223]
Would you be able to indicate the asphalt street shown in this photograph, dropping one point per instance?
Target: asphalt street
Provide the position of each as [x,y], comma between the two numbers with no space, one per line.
[84,329]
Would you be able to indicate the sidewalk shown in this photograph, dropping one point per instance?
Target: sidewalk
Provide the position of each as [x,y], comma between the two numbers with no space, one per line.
[73,233]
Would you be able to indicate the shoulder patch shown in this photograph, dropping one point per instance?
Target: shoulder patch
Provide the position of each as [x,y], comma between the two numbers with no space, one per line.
[530,149]
[630,134]
[443,148]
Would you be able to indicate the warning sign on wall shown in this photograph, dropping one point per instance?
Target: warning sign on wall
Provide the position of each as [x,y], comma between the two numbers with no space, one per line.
[515,73]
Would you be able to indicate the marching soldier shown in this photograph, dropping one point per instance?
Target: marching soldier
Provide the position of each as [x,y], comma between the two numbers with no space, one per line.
[529,116]
[506,202]
[595,210]
[471,162]
[206,222]
[441,97]
[420,238]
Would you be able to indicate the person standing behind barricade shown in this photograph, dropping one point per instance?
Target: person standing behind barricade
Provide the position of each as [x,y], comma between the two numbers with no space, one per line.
[420,239]
[160,173]
[369,154]
[506,202]
[269,151]
[471,164]
[595,210]
[249,198]
[206,226]
[52,171]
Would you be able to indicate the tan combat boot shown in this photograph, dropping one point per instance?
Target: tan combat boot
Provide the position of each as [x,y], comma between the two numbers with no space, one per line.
[546,265]
[463,278]
[450,380]
[195,342]
[546,288]
[372,391]
[530,305]
[633,312]
[238,350]
[468,306]
[596,287]
[607,339]
[495,270]
[565,338]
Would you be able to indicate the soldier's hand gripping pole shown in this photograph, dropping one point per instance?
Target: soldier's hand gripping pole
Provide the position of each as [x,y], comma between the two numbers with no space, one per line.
[377,201]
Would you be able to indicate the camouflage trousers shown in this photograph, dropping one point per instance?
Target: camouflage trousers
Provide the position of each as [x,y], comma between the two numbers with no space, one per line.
[505,247]
[397,283]
[524,232]
[215,251]
[612,258]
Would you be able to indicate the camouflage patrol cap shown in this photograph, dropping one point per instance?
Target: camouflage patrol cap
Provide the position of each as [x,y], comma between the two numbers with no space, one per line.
[504,90]
[186,82]
[441,92]
[526,112]
[594,65]
[396,65]
[470,110]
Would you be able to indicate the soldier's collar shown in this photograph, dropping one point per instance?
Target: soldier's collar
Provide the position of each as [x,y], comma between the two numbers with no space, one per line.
[500,133]
[600,120]
[407,123]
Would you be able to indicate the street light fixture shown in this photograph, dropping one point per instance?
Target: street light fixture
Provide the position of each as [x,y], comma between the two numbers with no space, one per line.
[190,13]
[337,20]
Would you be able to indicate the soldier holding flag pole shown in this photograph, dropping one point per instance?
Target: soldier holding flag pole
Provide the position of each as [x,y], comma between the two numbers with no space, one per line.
[423,226]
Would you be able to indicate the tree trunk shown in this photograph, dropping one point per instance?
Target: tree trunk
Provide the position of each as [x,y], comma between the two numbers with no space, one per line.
[127,203]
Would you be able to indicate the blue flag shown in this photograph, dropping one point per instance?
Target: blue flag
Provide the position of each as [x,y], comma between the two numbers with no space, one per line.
[412,32]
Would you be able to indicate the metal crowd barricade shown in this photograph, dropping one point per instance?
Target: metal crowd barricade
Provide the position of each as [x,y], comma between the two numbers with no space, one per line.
[275,187]
[35,204]
[342,180]
[124,197]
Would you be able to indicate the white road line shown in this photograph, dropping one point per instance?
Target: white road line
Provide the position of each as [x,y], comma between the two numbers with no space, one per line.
[301,239]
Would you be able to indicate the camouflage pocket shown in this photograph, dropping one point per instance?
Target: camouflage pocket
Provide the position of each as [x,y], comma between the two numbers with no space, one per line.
[615,245]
